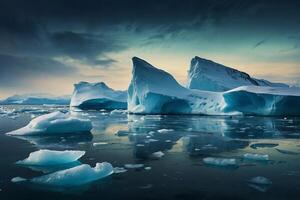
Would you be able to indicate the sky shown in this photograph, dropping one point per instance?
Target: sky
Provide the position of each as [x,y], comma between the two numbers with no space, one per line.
[47,46]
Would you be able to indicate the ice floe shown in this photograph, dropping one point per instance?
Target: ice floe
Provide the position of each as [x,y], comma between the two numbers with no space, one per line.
[255,156]
[222,162]
[79,175]
[54,123]
[51,157]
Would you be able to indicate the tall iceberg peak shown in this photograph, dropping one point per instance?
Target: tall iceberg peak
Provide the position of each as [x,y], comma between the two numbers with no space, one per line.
[211,76]
[97,96]
[154,91]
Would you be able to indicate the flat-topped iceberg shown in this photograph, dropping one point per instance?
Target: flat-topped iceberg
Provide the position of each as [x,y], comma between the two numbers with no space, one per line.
[207,75]
[154,91]
[54,123]
[76,176]
[36,99]
[97,96]
[50,157]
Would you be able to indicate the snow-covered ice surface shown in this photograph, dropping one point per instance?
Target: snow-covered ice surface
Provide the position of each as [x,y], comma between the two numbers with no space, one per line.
[207,75]
[97,96]
[79,175]
[51,157]
[54,123]
[154,91]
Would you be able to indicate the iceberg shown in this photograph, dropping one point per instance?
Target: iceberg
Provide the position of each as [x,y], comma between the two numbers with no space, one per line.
[257,157]
[221,162]
[260,180]
[54,123]
[50,157]
[97,96]
[79,175]
[207,75]
[36,99]
[154,91]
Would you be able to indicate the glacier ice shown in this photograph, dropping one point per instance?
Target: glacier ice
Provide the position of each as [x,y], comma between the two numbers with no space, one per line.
[207,75]
[154,91]
[51,157]
[257,157]
[36,99]
[79,175]
[97,96]
[222,162]
[54,123]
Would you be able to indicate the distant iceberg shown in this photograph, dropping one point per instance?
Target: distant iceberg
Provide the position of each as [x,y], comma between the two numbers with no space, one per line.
[154,91]
[36,99]
[54,123]
[97,96]
[76,176]
[207,75]
[49,157]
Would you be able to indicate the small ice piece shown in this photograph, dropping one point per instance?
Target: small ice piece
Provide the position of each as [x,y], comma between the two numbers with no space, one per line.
[147,168]
[49,157]
[133,166]
[258,157]
[18,179]
[165,130]
[148,186]
[283,151]
[54,123]
[121,133]
[189,129]
[99,143]
[117,112]
[76,176]
[118,170]
[260,180]
[263,145]
[157,154]
[140,145]
[223,162]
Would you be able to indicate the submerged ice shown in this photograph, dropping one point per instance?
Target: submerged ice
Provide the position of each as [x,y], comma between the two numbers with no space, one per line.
[154,91]
[97,96]
[54,123]
[51,157]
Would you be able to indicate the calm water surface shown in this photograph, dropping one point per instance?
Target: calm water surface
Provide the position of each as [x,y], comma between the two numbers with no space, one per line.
[179,174]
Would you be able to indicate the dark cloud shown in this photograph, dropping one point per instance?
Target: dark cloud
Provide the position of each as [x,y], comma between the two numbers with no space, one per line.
[16,71]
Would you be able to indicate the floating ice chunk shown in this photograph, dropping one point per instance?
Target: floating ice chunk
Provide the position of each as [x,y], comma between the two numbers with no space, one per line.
[99,143]
[50,157]
[133,166]
[260,180]
[283,151]
[258,157]
[75,176]
[118,170]
[118,112]
[18,179]
[165,130]
[97,96]
[263,145]
[222,162]
[54,123]
[148,168]
[157,155]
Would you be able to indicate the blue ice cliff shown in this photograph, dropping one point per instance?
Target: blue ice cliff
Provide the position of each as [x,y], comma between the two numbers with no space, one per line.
[154,91]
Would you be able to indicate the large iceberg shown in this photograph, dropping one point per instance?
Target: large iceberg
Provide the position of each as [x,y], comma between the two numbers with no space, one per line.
[79,175]
[97,96]
[207,75]
[51,157]
[36,99]
[54,123]
[154,91]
